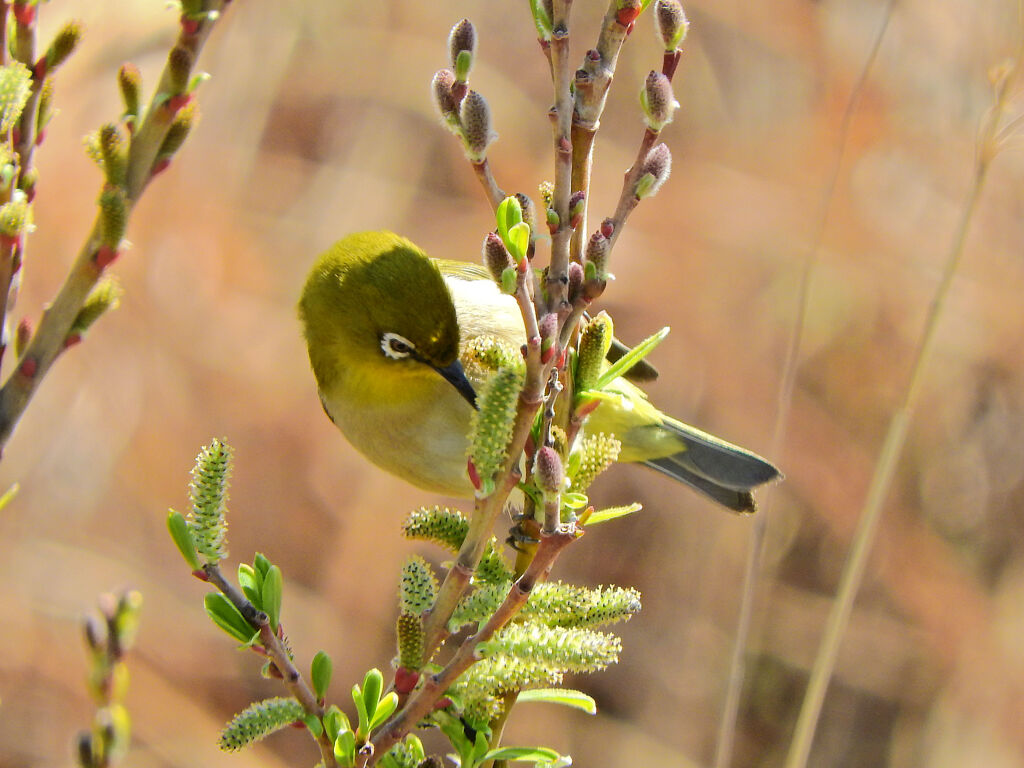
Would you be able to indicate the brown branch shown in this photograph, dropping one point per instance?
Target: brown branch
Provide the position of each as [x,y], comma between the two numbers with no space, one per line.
[277,653]
[49,338]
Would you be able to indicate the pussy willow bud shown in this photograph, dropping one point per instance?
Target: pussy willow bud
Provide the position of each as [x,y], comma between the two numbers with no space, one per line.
[409,631]
[476,126]
[491,427]
[461,48]
[179,68]
[496,256]
[671,23]
[655,169]
[596,265]
[129,82]
[595,342]
[575,280]
[114,151]
[548,470]
[657,101]
[113,216]
[184,120]
[63,45]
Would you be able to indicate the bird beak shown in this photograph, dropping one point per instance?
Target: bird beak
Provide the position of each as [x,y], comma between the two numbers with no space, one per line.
[455,376]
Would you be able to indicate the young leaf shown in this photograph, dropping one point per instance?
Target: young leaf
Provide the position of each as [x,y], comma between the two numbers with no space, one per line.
[335,721]
[178,528]
[261,564]
[384,710]
[565,696]
[631,358]
[610,513]
[345,748]
[523,754]
[273,587]
[360,701]
[227,617]
[320,674]
[373,684]
[508,214]
[251,583]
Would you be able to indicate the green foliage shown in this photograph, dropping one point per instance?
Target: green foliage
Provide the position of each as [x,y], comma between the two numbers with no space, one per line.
[208,493]
[259,720]
[405,754]
[263,585]
[320,674]
[372,708]
[226,616]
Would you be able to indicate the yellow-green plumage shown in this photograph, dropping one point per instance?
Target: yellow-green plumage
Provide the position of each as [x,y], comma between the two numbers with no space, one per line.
[385,325]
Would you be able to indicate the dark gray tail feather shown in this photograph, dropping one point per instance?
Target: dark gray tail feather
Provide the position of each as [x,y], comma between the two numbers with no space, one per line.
[720,470]
[737,501]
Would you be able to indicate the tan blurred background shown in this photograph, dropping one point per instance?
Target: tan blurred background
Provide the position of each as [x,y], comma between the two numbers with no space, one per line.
[318,122]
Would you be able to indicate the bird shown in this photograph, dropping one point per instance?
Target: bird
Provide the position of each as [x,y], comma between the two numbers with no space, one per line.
[387,328]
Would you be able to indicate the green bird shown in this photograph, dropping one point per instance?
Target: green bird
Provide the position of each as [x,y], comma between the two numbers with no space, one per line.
[384,326]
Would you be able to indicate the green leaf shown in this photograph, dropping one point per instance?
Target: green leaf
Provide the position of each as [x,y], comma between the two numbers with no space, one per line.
[565,696]
[9,495]
[345,748]
[320,674]
[273,587]
[541,20]
[523,754]
[631,358]
[251,583]
[335,721]
[610,513]
[384,710]
[261,564]
[360,701]
[227,617]
[508,214]
[313,724]
[575,500]
[182,536]
[480,746]
[518,241]
[373,684]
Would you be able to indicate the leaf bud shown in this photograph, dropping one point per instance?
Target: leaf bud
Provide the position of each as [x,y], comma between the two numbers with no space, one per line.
[671,23]
[548,336]
[548,470]
[657,101]
[654,171]
[105,296]
[496,256]
[595,341]
[529,212]
[444,99]
[461,48]
[627,11]
[16,218]
[553,220]
[476,126]
[577,204]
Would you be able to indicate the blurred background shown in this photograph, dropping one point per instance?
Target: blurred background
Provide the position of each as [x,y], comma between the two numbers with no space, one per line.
[318,122]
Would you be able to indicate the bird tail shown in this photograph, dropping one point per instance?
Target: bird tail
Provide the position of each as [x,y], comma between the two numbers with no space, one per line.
[721,471]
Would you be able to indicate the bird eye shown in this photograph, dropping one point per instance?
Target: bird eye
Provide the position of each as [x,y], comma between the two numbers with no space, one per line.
[396,347]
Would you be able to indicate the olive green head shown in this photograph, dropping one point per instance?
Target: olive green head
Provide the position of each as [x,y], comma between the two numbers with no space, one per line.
[375,299]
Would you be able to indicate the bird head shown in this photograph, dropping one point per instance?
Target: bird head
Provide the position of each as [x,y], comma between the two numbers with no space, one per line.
[374,304]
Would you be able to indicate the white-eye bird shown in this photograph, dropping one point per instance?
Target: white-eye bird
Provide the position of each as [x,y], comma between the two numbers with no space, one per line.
[383,324]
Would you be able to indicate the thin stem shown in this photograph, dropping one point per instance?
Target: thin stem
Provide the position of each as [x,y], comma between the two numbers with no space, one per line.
[277,653]
[557,278]
[486,178]
[888,457]
[752,567]
[48,341]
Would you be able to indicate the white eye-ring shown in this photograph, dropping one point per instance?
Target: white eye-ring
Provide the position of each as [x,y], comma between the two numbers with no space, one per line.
[395,346]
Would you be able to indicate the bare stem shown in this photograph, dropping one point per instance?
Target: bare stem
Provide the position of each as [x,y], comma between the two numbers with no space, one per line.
[486,178]
[888,456]
[558,270]
[752,567]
